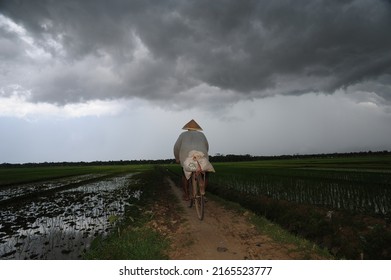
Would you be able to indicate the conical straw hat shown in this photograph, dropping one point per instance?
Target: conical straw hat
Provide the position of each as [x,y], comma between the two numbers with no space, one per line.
[192,125]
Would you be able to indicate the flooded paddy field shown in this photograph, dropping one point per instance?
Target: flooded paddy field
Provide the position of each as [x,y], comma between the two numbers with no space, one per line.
[13,192]
[62,223]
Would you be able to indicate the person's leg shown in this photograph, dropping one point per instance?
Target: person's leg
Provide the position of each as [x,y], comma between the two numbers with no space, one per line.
[203,182]
[185,187]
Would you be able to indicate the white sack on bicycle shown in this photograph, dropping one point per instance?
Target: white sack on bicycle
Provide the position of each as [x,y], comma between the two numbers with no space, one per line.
[194,161]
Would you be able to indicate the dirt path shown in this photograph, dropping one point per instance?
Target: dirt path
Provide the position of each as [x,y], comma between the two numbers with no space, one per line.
[223,234]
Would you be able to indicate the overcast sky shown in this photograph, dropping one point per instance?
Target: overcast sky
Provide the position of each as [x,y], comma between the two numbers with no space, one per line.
[116,80]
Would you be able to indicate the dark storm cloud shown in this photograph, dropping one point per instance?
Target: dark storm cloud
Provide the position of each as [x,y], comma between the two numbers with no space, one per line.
[159,49]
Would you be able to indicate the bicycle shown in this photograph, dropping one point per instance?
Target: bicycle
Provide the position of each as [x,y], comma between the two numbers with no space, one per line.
[196,191]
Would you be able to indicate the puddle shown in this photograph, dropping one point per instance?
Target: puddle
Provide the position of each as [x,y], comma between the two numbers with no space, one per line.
[63,225]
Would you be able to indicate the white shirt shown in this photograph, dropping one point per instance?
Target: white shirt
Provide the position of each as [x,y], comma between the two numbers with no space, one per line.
[188,141]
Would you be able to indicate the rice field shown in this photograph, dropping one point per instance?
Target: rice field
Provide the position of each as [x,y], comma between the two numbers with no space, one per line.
[55,213]
[343,204]
[47,212]
[361,185]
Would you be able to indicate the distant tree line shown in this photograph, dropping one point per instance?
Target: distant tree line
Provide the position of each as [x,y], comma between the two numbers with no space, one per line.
[90,163]
[248,157]
[215,158]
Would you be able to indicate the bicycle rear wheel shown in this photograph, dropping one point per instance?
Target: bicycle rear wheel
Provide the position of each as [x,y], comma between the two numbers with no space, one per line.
[199,199]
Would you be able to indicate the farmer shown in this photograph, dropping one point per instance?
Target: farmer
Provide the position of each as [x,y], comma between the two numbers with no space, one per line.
[192,146]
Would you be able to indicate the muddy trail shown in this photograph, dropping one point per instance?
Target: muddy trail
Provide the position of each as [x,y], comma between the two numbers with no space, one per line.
[224,234]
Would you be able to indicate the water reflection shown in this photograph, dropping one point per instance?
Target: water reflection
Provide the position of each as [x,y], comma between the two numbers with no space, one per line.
[63,225]
[13,191]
